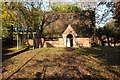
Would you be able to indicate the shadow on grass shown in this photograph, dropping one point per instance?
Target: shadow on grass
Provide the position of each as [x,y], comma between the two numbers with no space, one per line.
[72,64]
[5,57]
[58,78]
[5,49]
[110,54]
[70,49]
[49,45]
[70,73]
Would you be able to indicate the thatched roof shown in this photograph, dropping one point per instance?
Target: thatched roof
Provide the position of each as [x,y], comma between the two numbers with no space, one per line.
[59,21]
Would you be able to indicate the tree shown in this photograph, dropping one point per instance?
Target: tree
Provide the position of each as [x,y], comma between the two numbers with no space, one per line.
[104,11]
[111,33]
[114,32]
[85,19]
[18,15]
[33,17]
[9,18]
[117,14]
[66,8]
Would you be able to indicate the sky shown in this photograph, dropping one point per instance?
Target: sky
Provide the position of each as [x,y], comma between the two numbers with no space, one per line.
[82,3]
[103,10]
[100,9]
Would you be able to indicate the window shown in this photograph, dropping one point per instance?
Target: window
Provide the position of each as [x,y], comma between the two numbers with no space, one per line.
[51,39]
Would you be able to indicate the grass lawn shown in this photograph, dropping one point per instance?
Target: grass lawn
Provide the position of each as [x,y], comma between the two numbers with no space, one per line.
[49,63]
[11,49]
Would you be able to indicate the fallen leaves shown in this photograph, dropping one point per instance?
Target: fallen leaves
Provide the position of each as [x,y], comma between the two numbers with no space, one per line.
[54,62]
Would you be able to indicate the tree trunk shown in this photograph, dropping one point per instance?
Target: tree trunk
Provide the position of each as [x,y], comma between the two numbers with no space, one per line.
[27,38]
[41,30]
[108,41]
[33,38]
[11,35]
[37,39]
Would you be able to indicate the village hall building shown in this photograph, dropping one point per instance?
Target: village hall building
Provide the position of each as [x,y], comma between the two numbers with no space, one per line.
[69,39]
[73,29]
[68,29]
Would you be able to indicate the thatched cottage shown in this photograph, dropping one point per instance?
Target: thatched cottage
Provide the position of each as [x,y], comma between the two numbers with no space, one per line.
[66,29]
[70,29]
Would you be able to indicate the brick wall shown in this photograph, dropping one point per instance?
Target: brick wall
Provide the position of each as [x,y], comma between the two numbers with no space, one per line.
[30,41]
[59,43]
[83,42]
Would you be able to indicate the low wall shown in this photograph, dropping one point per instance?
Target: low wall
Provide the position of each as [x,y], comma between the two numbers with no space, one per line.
[83,42]
[59,43]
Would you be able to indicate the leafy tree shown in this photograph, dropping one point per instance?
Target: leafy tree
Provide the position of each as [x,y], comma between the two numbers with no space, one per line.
[9,18]
[104,11]
[117,14]
[66,8]
[109,31]
[70,19]
[114,32]
[29,15]
[32,16]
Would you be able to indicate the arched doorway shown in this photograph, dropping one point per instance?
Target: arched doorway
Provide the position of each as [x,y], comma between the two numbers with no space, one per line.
[69,41]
